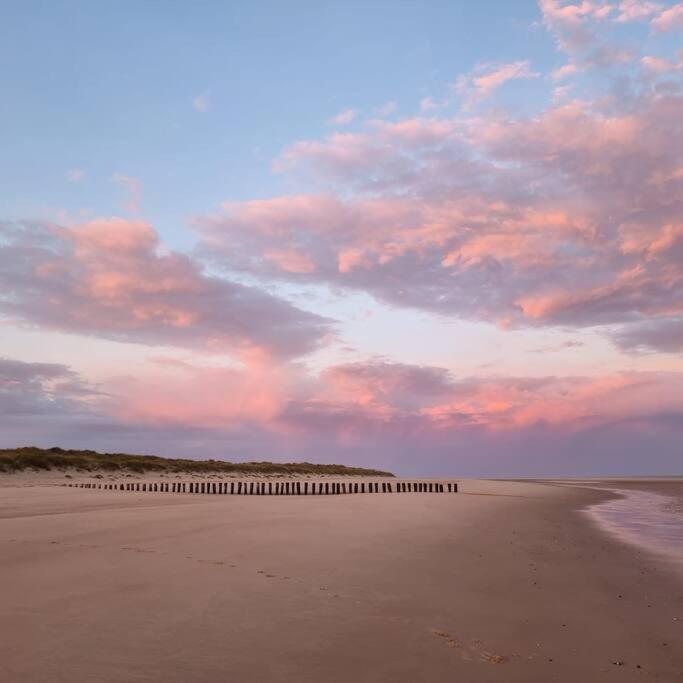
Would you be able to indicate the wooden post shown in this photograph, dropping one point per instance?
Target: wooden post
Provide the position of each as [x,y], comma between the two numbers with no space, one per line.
[305,488]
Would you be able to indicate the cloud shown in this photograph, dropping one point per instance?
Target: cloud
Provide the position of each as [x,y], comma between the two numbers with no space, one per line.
[564,71]
[577,29]
[376,413]
[344,118]
[568,217]
[201,103]
[669,19]
[569,344]
[134,191]
[487,78]
[570,22]
[75,175]
[41,389]
[111,278]
[658,66]
[635,10]
[387,108]
[654,336]
[377,397]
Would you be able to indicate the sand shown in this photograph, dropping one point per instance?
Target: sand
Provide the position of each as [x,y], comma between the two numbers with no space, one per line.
[505,581]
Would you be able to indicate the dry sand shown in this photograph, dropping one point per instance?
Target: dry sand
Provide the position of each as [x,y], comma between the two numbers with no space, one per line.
[505,581]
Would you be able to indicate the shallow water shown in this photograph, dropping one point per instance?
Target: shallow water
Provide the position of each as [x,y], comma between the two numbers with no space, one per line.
[651,521]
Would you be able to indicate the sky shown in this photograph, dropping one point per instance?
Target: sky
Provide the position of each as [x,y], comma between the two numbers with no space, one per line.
[440,238]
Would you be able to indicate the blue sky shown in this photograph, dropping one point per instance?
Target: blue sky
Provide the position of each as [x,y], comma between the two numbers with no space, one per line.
[109,89]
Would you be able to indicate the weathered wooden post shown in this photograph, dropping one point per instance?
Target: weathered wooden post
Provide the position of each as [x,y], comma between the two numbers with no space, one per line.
[305,488]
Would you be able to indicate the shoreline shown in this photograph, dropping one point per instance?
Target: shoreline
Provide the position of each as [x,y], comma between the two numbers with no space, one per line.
[505,581]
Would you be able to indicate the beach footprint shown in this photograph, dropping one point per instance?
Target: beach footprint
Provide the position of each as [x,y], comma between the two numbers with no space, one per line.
[471,650]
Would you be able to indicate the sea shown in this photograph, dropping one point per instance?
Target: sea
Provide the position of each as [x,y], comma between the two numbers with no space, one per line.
[648,520]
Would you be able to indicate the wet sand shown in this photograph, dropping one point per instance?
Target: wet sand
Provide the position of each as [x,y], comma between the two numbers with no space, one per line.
[505,581]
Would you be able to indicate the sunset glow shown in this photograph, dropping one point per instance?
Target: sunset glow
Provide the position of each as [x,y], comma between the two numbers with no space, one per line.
[455,250]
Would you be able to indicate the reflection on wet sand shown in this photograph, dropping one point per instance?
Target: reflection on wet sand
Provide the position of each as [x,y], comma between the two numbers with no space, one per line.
[650,520]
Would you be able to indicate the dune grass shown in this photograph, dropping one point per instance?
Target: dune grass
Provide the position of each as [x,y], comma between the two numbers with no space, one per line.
[31,457]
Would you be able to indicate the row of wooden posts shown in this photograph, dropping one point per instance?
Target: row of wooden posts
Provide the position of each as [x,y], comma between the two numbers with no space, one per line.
[278,488]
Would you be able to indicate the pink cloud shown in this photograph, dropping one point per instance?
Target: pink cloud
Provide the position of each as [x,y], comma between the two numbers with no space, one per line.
[111,278]
[487,78]
[669,19]
[635,10]
[134,191]
[358,399]
[344,118]
[372,413]
[566,217]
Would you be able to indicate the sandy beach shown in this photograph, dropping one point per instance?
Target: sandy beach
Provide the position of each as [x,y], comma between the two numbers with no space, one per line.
[504,581]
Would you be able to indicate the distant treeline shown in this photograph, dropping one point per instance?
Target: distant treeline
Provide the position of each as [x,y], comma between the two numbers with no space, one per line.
[30,457]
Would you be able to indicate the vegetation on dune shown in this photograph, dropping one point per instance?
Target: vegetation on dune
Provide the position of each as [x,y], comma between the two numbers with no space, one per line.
[30,457]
